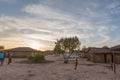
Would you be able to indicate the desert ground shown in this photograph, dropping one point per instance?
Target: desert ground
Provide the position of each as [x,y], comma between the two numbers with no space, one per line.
[57,70]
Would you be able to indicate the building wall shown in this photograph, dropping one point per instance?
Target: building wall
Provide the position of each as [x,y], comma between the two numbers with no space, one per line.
[99,58]
[102,58]
[21,54]
[84,55]
[109,58]
[90,56]
[117,58]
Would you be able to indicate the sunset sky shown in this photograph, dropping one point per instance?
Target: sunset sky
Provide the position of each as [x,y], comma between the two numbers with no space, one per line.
[38,23]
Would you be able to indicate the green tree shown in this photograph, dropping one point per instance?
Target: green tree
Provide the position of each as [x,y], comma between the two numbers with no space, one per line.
[68,44]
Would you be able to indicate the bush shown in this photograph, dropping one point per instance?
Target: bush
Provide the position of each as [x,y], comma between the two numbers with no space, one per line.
[30,57]
[38,58]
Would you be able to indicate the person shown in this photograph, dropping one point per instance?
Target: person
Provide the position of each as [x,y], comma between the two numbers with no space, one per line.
[9,58]
[2,57]
[76,63]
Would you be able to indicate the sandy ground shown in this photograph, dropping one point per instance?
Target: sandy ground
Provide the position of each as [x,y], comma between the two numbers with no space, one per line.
[57,71]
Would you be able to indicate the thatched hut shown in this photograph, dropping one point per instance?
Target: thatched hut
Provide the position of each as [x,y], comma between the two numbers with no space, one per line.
[116,50]
[104,55]
[84,52]
[101,55]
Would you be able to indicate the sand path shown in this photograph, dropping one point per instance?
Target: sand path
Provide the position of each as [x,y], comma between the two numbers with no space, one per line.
[57,71]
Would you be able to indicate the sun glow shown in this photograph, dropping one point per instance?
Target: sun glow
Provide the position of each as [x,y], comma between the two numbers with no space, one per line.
[35,45]
[14,42]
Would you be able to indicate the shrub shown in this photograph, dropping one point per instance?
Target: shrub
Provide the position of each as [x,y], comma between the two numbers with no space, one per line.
[30,57]
[38,57]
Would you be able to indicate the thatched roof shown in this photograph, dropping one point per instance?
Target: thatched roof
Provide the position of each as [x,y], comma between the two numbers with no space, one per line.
[21,49]
[117,48]
[100,50]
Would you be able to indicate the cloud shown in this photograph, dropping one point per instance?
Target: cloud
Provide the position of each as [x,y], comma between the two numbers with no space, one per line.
[44,24]
[114,7]
[8,1]
[46,12]
[113,4]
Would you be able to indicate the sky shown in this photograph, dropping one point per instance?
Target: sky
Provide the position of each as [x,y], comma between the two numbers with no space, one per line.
[39,23]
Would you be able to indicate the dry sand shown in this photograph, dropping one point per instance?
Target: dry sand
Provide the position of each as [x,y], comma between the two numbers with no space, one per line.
[57,71]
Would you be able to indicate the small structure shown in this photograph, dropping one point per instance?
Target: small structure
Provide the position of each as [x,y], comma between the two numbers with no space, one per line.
[21,52]
[101,55]
[72,56]
[104,55]
[75,54]
[84,52]
[116,50]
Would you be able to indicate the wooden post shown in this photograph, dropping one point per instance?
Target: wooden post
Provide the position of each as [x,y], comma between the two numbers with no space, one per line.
[111,61]
[114,65]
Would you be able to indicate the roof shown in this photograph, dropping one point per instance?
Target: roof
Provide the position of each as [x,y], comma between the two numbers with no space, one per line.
[19,49]
[117,47]
[73,55]
[118,52]
[86,50]
[100,50]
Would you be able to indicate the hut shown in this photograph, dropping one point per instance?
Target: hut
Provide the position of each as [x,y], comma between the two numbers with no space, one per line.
[116,50]
[104,55]
[75,54]
[21,52]
[84,52]
[100,55]
[72,56]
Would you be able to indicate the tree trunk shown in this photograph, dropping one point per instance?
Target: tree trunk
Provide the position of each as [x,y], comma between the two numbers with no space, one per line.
[70,55]
[66,58]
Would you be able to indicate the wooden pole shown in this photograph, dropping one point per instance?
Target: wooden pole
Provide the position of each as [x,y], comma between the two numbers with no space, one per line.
[114,65]
[111,61]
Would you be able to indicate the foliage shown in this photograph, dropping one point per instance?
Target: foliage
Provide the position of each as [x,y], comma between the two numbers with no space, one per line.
[30,57]
[68,44]
[38,57]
